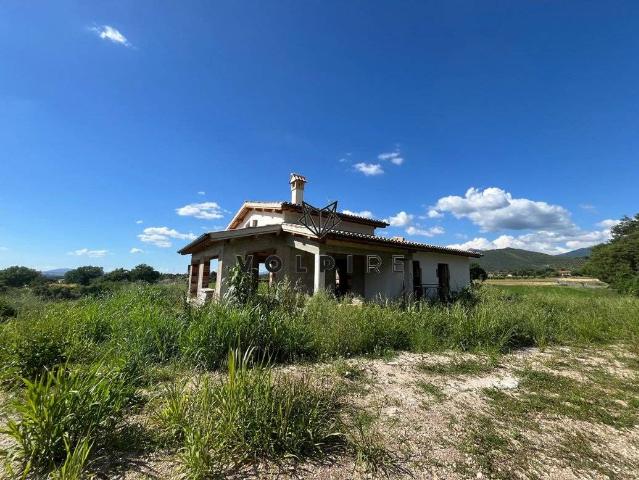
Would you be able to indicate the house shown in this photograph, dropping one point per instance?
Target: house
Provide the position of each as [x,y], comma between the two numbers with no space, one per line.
[322,249]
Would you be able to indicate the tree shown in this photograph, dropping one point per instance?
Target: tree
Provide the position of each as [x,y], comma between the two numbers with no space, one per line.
[117,275]
[144,273]
[83,275]
[617,262]
[19,276]
[477,272]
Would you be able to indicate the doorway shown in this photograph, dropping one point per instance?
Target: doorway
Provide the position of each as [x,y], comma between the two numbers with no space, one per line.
[418,291]
[443,276]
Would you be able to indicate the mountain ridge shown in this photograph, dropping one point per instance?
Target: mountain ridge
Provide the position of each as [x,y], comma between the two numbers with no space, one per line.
[512,259]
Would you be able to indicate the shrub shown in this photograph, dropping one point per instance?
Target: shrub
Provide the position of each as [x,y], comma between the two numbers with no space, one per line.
[19,276]
[83,275]
[64,410]
[246,416]
[6,310]
[37,347]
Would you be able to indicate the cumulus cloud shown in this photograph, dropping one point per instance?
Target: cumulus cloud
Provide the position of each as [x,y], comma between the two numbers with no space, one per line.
[551,242]
[136,250]
[402,219]
[85,252]
[112,34]
[425,232]
[204,211]
[393,157]
[608,223]
[363,213]
[162,236]
[369,169]
[432,213]
[494,209]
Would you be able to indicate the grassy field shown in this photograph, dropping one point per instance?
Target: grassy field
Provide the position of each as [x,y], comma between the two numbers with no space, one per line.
[140,384]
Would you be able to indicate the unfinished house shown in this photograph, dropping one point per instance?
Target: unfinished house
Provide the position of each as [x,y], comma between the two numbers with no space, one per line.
[320,249]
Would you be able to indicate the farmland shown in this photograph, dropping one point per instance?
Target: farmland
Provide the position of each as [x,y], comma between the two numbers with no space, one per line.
[527,380]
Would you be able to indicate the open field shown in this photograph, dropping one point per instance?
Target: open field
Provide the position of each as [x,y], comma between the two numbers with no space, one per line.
[583,282]
[513,381]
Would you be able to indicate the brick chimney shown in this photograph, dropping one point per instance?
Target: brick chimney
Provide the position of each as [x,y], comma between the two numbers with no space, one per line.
[297,188]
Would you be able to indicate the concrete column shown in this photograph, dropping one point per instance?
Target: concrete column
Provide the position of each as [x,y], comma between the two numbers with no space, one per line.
[319,277]
[200,276]
[220,277]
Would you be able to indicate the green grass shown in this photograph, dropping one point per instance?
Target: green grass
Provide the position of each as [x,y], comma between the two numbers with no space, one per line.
[248,415]
[432,390]
[65,413]
[149,333]
[459,367]
[604,399]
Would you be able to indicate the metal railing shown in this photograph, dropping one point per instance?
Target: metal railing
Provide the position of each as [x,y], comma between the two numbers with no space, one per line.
[428,291]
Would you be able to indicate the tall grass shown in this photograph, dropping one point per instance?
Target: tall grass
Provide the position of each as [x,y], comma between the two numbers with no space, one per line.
[72,401]
[247,415]
[153,324]
[63,413]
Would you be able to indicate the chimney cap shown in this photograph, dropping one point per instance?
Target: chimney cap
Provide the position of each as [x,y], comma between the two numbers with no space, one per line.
[297,177]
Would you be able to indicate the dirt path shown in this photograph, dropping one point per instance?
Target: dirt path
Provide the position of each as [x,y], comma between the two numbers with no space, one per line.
[556,414]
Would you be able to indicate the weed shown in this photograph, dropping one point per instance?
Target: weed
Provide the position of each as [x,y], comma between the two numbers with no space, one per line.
[61,410]
[248,415]
[432,390]
[368,445]
[459,367]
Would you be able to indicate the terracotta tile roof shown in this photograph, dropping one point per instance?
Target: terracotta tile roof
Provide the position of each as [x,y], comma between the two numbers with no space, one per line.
[292,206]
[404,243]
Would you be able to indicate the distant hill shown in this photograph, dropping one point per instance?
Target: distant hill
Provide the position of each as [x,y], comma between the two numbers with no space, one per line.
[510,259]
[56,273]
[579,253]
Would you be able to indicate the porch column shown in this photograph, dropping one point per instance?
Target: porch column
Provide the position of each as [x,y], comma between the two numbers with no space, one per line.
[200,276]
[319,277]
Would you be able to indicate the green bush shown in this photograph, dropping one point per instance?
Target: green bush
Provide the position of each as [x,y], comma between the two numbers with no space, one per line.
[65,409]
[6,310]
[248,415]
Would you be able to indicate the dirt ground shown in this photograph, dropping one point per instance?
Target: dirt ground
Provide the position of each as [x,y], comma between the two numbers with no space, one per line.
[562,413]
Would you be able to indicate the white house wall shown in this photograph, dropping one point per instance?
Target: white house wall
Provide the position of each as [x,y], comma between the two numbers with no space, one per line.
[458,266]
[387,283]
[263,218]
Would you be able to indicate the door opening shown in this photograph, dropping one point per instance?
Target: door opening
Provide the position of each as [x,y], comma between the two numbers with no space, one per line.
[418,291]
[443,275]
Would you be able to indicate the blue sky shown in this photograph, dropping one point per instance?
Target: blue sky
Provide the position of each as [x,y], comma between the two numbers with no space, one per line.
[479,124]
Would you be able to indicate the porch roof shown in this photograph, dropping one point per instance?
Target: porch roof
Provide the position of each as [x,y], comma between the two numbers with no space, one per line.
[295,229]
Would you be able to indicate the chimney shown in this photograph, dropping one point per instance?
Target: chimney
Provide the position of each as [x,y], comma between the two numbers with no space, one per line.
[297,188]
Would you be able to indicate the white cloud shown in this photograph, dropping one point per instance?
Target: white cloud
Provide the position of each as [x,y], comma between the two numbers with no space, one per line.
[139,222]
[363,213]
[425,232]
[494,209]
[432,213]
[204,211]
[201,192]
[161,236]
[608,223]
[369,169]
[85,252]
[551,242]
[402,219]
[393,157]
[136,250]
[107,32]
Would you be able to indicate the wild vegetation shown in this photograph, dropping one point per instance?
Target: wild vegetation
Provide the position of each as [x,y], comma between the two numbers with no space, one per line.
[617,262]
[78,369]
